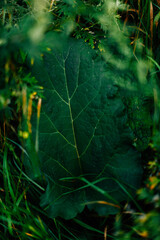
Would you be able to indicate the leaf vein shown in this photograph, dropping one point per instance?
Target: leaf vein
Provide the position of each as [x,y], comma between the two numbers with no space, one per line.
[58,131]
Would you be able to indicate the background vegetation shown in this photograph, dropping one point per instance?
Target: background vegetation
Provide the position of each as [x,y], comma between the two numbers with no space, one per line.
[126,35]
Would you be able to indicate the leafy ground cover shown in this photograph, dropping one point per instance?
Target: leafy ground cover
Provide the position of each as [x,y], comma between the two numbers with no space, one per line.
[79,120]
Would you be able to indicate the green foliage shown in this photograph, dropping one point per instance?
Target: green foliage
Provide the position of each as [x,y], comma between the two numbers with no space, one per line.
[125,110]
[145,224]
[140,121]
[13,11]
[17,218]
[87,20]
[83,131]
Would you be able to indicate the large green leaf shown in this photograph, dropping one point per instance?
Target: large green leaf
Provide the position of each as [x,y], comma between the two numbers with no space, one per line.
[83,132]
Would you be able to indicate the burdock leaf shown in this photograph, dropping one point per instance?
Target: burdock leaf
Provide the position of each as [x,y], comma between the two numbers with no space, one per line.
[83,132]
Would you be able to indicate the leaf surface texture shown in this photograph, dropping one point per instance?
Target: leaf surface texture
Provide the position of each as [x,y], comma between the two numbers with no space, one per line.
[83,132]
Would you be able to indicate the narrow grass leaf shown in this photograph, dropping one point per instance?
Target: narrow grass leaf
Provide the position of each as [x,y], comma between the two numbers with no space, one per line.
[6,174]
[89,227]
[155,63]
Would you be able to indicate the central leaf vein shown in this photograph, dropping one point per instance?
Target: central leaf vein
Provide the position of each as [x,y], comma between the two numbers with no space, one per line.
[70,111]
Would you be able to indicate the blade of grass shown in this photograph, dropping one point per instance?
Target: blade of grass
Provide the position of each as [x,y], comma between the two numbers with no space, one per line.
[62,225]
[130,196]
[88,227]
[29,179]
[103,202]
[58,228]
[89,184]
[6,175]
[151,22]
[155,63]
[9,221]
[92,185]
[37,128]
[19,199]
[18,145]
